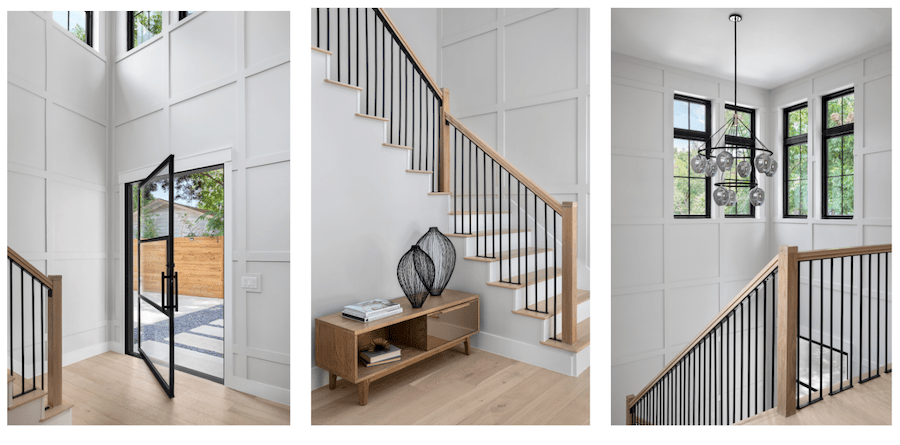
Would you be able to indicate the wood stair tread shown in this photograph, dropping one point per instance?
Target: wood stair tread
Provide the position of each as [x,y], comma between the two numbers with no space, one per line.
[403,147]
[369,116]
[580,297]
[29,397]
[584,338]
[486,233]
[531,278]
[507,254]
[341,84]
[469,212]
[56,410]
[420,171]
[439,193]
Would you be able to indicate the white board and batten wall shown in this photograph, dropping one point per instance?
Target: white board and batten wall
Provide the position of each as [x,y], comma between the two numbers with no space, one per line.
[81,119]
[57,170]
[670,277]
[518,78]
[219,82]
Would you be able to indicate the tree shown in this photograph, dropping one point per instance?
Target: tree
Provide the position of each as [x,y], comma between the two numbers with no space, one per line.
[207,189]
[148,225]
[150,22]
[80,33]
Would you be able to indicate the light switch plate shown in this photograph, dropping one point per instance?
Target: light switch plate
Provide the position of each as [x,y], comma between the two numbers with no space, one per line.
[251,282]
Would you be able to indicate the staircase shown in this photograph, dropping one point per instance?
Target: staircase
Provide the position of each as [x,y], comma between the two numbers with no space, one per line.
[515,243]
[802,326]
[36,398]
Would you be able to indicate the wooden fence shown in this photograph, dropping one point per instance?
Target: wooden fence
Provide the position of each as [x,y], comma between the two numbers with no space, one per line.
[200,264]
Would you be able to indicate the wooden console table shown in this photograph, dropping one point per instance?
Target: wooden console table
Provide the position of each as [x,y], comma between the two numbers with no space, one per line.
[440,324]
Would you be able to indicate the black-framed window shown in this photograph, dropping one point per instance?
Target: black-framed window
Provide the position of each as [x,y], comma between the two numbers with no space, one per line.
[79,23]
[142,26]
[742,139]
[692,120]
[795,155]
[837,167]
[183,14]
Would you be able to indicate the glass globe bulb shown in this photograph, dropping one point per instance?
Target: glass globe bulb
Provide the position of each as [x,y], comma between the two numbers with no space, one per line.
[757,196]
[724,160]
[773,167]
[762,162]
[720,196]
[711,168]
[698,164]
[743,169]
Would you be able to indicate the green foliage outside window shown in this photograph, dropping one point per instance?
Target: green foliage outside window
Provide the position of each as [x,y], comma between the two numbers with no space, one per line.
[146,25]
[690,187]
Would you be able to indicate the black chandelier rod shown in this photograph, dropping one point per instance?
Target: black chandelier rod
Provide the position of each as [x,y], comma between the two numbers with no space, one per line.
[736,19]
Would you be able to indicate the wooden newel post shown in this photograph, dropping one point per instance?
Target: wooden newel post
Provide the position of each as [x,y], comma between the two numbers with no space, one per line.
[444,167]
[788,280]
[54,343]
[629,420]
[569,271]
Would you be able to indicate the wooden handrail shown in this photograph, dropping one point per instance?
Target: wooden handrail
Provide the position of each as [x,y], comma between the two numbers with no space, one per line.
[24,264]
[773,263]
[842,252]
[396,32]
[525,180]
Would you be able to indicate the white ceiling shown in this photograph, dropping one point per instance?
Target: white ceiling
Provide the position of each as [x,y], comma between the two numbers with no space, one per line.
[775,46]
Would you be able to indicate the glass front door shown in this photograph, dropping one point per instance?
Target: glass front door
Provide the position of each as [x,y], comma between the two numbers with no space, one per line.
[157,280]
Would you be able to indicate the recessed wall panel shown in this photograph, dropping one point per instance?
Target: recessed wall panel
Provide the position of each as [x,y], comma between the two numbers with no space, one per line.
[268,312]
[269,111]
[692,252]
[268,34]
[637,324]
[877,190]
[25,114]
[638,250]
[268,207]
[748,239]
[639,187]
[458,20]
[878,63]
[632,71]
[470,71]
[203,123]
[26,212]
[141,80]
[833,236]
[637,117]
[484,126]
[630,378]
[84,300]
[688,310]
[202,51]
[26,48]
[269,373]
[792,234]
[876,235]
[877,122]
[541,141]
[76,146]
[552,38]
[141,142]
[78,222]
[76,75]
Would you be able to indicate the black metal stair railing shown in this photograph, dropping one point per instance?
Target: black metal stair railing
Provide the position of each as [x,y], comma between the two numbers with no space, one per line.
[848,321]
[369,53]
[26,324]
[727,376]
[481,186]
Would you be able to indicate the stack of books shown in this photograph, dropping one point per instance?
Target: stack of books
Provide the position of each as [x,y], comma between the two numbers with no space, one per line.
[371,310]
[375,358]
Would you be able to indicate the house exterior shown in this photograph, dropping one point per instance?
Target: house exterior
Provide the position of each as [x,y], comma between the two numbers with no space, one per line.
[189,221]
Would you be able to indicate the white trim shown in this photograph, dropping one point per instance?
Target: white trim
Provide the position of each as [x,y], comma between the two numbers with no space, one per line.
[229,378]
[258,389]
[71,357]
[535,354]
[190,162]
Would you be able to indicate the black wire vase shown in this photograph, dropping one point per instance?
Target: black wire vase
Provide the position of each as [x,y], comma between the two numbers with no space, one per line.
[415,272]
[443,254]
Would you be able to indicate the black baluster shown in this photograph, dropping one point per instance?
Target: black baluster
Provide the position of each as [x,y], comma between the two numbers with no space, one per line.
[33,346]
[328,29]
[22,325]
[367,57]
[546,264]
[765,328]
[821,327]
[878,319]
[509,218]
[318,29]
[349,80]
[456,182]
[756,349]
[42,337]
[831,326]
[338,15]
[357,46]
[470,193]
[887,337]
[383,91]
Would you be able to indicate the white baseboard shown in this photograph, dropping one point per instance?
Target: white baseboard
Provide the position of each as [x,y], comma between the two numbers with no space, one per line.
[85,353]
[268,392]
[319,377]
[537,354]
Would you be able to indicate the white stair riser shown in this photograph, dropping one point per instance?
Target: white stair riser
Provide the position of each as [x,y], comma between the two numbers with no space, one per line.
[481,203]
[500,242]
[539,290]
[27,414]
[63,418]
[584,312]
[477,222]
[511,268]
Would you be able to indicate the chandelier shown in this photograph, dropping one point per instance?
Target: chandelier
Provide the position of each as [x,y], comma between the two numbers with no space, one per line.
[718,159]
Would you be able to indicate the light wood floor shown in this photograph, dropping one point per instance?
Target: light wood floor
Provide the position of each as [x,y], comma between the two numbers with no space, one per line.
[116,389]
[452,388]
[866,404]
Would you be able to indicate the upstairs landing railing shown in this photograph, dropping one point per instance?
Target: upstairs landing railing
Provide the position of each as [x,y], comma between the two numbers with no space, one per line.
[828,295]
[370,53]
[28,323]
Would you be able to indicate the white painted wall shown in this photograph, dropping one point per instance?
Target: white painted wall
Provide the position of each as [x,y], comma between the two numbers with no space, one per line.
[518,78]
[418,27]
[214,81]
[58,180]
[669,277]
